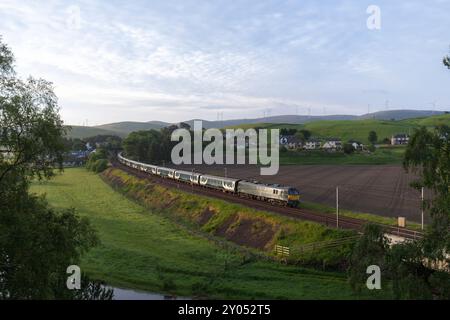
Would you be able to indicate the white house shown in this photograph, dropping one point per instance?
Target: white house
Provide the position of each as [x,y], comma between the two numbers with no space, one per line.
[399,139]
[332,144]
[356,145]
[312,144]
[290,142]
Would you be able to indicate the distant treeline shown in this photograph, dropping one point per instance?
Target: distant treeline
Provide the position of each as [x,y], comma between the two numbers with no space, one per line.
[108,142]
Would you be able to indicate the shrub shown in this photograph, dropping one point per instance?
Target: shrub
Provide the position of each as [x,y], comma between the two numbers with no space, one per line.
[100,165]
[348,148]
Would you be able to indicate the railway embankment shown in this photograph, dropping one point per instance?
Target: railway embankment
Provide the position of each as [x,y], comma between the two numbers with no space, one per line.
[247,228]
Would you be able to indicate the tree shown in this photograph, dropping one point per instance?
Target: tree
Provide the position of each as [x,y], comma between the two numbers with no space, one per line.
[6,60]
[427,155]
[288,131]
[412,266]
[370,250]
[303,135]
[348,148]
[306,133]
[150,146]
[373,138]
[37,243]
[446,61]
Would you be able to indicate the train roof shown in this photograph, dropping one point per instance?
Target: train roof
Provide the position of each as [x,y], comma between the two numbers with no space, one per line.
[273,185]
[220,178]
[188,172]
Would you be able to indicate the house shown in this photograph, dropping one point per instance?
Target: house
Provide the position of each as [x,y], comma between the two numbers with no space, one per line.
[290,142]
[312,144]
[332,144]
[399,139]
[356,145]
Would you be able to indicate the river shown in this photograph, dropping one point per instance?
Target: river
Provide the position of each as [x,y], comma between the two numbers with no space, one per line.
[128,294]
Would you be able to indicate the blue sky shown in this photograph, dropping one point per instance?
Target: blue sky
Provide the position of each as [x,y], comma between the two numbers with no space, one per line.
[177,60]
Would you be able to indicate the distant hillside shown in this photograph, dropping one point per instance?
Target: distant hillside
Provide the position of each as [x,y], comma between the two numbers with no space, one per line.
[85,132]
[301,119]
[124,128]
[358,129]
[400,114]
[293,119]
[121,129]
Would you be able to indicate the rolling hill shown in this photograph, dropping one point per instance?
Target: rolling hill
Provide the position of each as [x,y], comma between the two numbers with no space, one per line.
[82,132]
[126,127]
[327,123]
[358,129]
[121,129]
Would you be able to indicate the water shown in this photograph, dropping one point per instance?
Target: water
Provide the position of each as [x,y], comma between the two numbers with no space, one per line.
[127,294]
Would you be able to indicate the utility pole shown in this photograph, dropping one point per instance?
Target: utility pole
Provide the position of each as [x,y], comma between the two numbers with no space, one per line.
[422,208]
[225,171]
[337,207]
[192,184]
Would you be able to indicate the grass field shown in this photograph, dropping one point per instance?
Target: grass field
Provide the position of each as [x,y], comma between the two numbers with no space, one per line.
[352,130]
[359,129]
[142,250]
[382,155]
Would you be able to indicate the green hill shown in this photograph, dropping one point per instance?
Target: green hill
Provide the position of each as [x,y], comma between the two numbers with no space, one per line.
[121,129]
[82,132]
[358,129]
[126,127]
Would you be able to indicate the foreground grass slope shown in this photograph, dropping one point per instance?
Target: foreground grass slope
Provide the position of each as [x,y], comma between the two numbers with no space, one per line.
[143,250]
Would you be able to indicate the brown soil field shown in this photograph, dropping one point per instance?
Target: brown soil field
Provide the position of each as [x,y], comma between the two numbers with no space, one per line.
[378,189]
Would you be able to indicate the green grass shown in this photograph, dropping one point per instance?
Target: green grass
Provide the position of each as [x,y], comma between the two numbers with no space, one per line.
[359,215]
[82,132]
[383,155]
[358,129]
[352,130]
[186,209]
[146,251]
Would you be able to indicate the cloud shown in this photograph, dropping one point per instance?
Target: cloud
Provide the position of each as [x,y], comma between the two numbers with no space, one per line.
[189,59]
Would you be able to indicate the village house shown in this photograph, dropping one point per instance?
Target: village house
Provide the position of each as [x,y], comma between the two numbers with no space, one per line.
[399,139]
[290,142]
[356,145]
[332,144]
[312,144]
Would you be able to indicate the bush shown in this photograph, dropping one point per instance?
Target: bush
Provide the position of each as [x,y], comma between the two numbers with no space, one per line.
[97,161]
[348,148]
[100,165]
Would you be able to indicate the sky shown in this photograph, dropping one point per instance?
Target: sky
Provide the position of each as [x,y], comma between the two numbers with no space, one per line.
[172,60]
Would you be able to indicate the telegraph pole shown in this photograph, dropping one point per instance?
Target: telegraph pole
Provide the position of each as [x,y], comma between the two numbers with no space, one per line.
[422,208]
[337,207]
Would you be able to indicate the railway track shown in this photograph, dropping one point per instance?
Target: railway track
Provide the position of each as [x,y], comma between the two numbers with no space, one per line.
[298,213]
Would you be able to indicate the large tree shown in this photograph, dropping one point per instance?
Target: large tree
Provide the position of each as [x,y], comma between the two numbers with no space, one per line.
[37,243]
[446,61]
[373,137]
[419,269]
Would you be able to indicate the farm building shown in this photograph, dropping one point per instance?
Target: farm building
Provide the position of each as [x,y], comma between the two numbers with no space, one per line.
[400,139]
[312,144]
[290,142]
[356,145]
[332,144]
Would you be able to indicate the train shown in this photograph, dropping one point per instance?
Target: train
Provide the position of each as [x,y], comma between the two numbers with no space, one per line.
[272,193]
